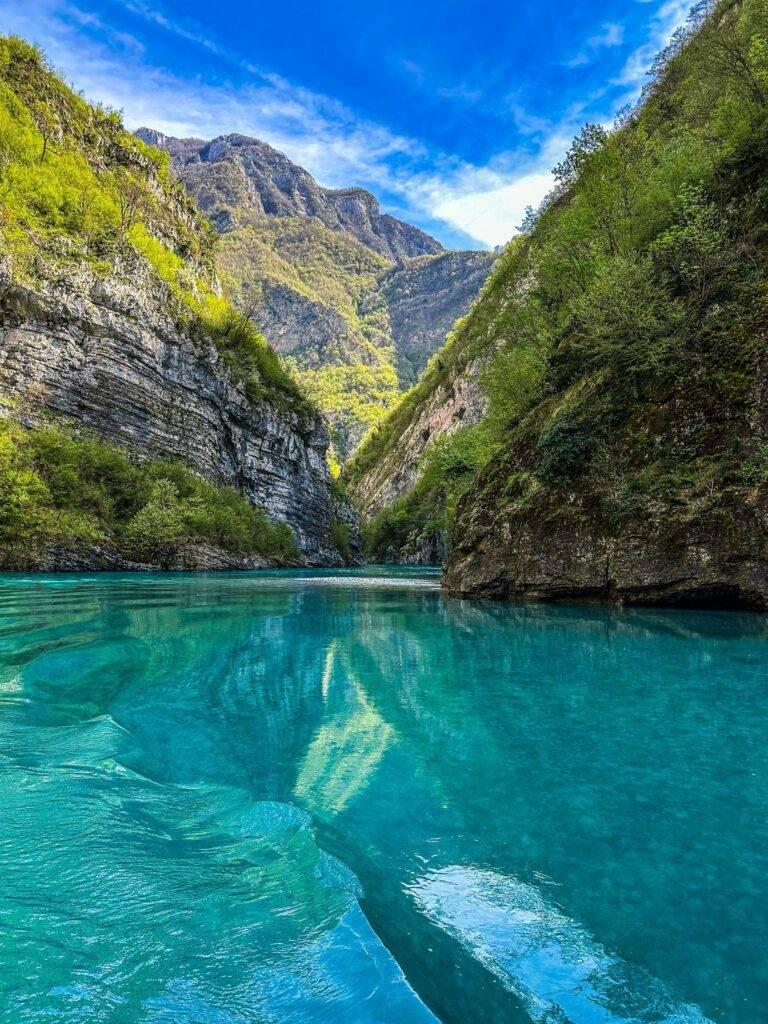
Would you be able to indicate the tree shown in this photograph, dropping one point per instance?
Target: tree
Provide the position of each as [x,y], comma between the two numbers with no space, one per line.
[46,124]
[131,199]
[156,531]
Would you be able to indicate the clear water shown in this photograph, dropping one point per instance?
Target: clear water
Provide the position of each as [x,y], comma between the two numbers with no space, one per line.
[273,797]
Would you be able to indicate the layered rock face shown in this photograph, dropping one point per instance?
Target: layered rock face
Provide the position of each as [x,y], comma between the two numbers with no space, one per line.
[425,297]
[456,401]
[106,353]
[238,172]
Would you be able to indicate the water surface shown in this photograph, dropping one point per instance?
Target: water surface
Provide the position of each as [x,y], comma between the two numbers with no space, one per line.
[343,797]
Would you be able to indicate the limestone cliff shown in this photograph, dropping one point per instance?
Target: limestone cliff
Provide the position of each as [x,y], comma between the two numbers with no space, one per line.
[623,452]
[106,354]
[636,470]
[425,297]
[239,173]
[716,558]
[112,321]
[386,475]
[455,401]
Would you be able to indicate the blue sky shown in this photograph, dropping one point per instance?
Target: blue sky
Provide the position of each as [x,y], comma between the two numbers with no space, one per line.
[453,112]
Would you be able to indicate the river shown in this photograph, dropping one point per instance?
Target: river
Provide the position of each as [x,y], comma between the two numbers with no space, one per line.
[344,797]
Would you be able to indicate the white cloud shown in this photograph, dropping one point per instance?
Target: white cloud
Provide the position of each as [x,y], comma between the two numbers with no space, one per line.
[494,214]
[611,34]
[671,15]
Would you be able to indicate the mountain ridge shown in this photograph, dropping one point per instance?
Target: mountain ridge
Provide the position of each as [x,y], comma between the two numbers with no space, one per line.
[268,182]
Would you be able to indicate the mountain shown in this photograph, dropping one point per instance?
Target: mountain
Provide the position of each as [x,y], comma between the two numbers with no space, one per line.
[357,300]
[237,173]
[620,448]
[144,421]
[396,477]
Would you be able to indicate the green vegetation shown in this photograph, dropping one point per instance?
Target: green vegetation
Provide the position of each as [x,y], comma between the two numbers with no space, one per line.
[78,191]
[350,323]
[324,287]
[625,328]
[62,490]
[354,397]
[69,170]
[328,267]
[342,539]
[489,322]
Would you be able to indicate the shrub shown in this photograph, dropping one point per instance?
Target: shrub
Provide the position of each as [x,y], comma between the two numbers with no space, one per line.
[566,452]
[342,539]
[156,531]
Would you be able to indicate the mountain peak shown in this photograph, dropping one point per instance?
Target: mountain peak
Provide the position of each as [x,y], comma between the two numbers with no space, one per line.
[235,173]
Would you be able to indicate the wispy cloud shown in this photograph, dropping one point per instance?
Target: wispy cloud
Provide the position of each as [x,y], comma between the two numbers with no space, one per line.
[670,16]
[611,34]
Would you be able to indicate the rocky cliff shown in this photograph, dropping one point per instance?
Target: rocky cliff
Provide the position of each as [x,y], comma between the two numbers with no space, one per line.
[106,354]
[455,401]
[425,297]
[637,469]
[715,559]
[388,477]
[622,454]
[357,299]
[112,322]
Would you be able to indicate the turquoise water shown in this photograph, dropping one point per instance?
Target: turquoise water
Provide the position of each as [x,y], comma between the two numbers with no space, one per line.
[344,797]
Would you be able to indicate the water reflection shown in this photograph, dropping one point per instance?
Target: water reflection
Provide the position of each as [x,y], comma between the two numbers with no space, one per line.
[555,968]
[348,746]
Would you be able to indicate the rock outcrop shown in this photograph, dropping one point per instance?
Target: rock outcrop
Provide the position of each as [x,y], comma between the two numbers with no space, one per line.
[105,353]
[114,329]
[529,556]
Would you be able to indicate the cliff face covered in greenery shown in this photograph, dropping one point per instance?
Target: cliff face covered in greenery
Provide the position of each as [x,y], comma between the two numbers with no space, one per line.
[356,299]
[410,471]
[626,455]
[145,421]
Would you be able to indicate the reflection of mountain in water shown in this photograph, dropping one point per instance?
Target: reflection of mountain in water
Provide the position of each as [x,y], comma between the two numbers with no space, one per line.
[345,750]
[138,728]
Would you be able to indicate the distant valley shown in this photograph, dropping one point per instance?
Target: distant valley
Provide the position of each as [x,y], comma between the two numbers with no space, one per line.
[356,300]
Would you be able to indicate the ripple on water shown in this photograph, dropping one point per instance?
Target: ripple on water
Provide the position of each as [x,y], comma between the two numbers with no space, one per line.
[169,903]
